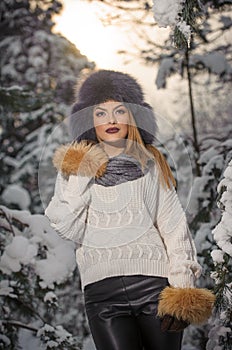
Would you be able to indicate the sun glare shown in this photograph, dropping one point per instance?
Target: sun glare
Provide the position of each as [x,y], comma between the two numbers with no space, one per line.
[80,24]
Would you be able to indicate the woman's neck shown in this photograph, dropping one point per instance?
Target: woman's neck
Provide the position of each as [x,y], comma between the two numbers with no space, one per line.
[114,148]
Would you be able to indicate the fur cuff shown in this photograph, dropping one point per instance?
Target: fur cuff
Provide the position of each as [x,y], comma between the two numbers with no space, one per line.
[83,158]
[193,305]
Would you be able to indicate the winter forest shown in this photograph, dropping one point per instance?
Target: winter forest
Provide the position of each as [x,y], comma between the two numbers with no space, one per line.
[41,303]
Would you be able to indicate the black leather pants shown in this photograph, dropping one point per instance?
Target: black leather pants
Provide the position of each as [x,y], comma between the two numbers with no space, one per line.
[122,311]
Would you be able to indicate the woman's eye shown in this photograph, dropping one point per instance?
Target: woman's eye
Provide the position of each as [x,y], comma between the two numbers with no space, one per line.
[100,114]
[120,111]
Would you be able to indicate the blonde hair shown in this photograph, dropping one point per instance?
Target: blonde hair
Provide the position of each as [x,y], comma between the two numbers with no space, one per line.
[136,148]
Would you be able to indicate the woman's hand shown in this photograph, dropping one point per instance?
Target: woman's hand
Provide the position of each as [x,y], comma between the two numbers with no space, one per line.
[179,307]
[171,324]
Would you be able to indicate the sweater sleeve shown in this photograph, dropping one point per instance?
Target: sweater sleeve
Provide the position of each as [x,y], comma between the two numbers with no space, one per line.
[68,208]
[174,230]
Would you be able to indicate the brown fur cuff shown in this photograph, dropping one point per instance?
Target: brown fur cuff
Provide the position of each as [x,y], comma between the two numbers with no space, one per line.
[193,305]
[83,158]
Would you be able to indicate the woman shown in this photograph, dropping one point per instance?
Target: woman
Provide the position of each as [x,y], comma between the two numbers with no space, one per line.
[115,197]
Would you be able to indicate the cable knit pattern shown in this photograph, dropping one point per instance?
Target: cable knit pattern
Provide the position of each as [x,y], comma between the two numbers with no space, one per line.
[135,227]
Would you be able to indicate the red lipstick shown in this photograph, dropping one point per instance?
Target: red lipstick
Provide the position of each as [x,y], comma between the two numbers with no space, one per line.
[112,130]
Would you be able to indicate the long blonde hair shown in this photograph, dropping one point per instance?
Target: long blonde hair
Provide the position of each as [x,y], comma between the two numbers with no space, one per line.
[136,148]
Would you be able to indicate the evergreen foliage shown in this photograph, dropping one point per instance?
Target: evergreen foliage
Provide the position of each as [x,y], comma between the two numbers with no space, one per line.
[31,289]
[221,323]
[38,72]
[203,216]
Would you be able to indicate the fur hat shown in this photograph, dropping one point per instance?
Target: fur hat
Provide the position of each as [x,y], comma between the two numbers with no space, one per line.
[103,86]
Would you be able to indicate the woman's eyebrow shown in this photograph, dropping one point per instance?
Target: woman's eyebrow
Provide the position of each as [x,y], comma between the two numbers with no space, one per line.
[100,108]
[105,109]
[121,105]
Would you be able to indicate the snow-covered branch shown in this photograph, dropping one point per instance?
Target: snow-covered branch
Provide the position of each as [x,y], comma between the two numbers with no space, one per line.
[221,329]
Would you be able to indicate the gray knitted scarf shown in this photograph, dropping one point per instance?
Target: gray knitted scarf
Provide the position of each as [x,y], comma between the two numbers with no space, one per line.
[120,169]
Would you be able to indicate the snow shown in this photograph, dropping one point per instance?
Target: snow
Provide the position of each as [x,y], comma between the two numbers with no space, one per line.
[88,343]
[200,239]
[27,341]
[18,252]
[15,48]
[222,232]
[188,347]
[9,71]
[42,35]
[165,68]
[31,76]
[60,334]
[199,187]
[218,256]
[207,155]
[60,256]
[35,246]
[50,296]
[223,236]
[166,12]
[215,162]
[21,249]
[56,267]
[228,172]
[5,340]
[214,61]
[15,194]
[6,289]
[215,334]
[37,62]
[185,29]
[46,328]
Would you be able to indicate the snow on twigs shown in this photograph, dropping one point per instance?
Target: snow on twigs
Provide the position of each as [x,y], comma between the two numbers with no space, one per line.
[168,13]
[17,195]
[223,232]
[21,250]
[220,335]
[56,337]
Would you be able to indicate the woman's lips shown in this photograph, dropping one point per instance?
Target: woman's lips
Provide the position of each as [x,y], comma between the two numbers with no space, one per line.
[112,130]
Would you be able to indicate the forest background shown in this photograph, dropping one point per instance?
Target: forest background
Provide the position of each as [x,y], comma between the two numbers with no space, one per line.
[40,298]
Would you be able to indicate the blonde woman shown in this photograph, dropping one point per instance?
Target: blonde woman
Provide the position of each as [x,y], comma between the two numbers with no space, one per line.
[115,197]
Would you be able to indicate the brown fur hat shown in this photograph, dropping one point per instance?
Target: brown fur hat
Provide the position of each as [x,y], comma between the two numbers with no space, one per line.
[103,86]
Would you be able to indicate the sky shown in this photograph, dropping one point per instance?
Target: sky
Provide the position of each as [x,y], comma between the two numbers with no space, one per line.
[80,22]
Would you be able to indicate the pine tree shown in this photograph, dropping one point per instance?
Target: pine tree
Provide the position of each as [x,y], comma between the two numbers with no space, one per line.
[38,72]
[203,214]
[36,265]
[221,324]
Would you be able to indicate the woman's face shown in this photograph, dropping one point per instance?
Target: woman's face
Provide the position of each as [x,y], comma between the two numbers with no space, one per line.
[111,121]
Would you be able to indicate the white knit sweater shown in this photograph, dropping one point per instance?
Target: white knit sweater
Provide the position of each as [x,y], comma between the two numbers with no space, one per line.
[136,227]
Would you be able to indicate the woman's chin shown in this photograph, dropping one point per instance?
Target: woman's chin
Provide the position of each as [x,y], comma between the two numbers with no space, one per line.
[117,142]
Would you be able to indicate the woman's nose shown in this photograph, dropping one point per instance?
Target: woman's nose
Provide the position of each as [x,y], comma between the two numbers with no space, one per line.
[112,118]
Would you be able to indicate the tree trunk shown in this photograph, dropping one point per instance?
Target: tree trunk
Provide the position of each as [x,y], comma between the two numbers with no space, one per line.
[193,117]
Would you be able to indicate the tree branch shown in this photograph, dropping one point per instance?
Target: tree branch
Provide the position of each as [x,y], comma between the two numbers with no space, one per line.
[8,220]
[19,325]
